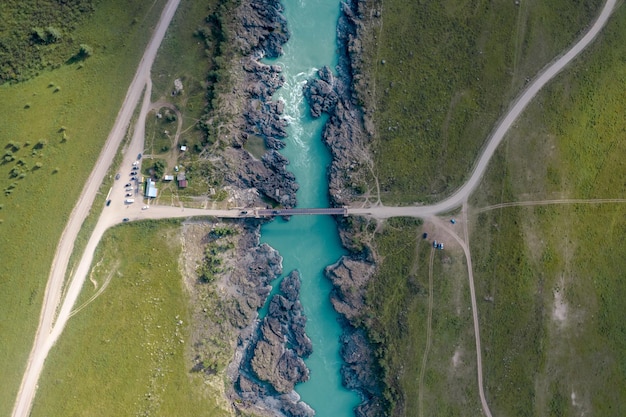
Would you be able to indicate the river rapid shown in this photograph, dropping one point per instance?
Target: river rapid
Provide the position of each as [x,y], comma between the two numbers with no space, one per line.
[306,243]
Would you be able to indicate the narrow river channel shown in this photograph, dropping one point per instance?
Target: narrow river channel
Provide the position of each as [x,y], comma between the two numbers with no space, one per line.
[309,244]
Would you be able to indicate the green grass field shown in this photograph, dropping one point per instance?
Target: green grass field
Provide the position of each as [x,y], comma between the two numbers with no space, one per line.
[59,121]
[554,335]
[444,72]
[191,67]
[399,296]
[434,109]
[125,353]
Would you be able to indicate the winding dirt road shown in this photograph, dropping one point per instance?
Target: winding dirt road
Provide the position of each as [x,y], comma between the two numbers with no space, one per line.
[49,329]
[461,195]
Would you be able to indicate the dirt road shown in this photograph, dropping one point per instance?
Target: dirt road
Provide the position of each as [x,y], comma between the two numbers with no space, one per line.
[43,338]
[459,196]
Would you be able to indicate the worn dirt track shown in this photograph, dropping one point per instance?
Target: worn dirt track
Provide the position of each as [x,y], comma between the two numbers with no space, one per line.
[43,338]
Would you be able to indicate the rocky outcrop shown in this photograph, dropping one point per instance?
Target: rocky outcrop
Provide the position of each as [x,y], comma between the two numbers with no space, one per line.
[273,358]
[262,28]
[269,176]
[360,371]
[259,31]
[262,116]
[321,93]
[282,344]
[349,278]
[259,264]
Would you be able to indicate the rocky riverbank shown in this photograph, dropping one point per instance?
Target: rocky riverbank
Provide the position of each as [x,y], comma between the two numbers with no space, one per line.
[262,359]
[347,139]
[260,31]
[272,357]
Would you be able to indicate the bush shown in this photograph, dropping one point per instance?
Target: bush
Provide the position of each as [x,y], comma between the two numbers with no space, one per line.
[85,51]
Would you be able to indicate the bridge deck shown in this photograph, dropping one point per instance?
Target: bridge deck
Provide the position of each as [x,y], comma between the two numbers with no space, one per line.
[302,211]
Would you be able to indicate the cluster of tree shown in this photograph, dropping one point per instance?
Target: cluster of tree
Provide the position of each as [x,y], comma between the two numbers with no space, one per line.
[212,262]
[214,34]
[158,169]
[36,34]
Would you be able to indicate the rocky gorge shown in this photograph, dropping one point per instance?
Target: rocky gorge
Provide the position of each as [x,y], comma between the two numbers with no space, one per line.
[268,359]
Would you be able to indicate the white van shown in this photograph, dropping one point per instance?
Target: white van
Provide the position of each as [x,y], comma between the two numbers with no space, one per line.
[129,201]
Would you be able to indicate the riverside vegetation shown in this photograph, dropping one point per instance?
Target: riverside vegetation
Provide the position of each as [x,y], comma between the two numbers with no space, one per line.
[57,124]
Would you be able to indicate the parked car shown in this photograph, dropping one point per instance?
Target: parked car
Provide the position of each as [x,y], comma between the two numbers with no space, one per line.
[129,194]
[125,219]
[133,178]
[138,156]
[128,185]
[108,203]
[145,207]
[117,177]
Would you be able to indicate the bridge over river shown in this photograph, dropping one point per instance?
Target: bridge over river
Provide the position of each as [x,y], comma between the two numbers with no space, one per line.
[298,211]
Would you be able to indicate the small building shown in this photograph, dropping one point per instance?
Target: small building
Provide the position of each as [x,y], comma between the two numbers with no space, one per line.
[182,183]
[151,190]
[181,176]
[168,178]
[183,148]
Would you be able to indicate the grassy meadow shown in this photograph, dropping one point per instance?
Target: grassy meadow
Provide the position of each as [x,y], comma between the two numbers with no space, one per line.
[443,72]
[53,127]
[435,101]
[554,336]
[190,67]
[125,352]
[399,295]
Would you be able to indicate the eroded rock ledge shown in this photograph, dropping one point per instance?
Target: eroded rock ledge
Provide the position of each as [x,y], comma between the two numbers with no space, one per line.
[272,356]
[260,31]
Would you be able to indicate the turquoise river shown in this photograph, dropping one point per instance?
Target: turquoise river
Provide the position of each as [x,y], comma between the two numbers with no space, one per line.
[310,243]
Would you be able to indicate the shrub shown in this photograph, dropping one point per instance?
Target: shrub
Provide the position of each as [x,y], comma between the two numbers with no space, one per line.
[85,51]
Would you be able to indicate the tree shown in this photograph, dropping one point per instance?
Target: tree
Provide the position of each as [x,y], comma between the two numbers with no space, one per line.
[84,52]
[158,168]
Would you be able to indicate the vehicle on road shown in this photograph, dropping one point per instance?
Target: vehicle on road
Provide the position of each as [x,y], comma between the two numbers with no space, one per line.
[243,212]
[125,219]
[108,203]
[117,177]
